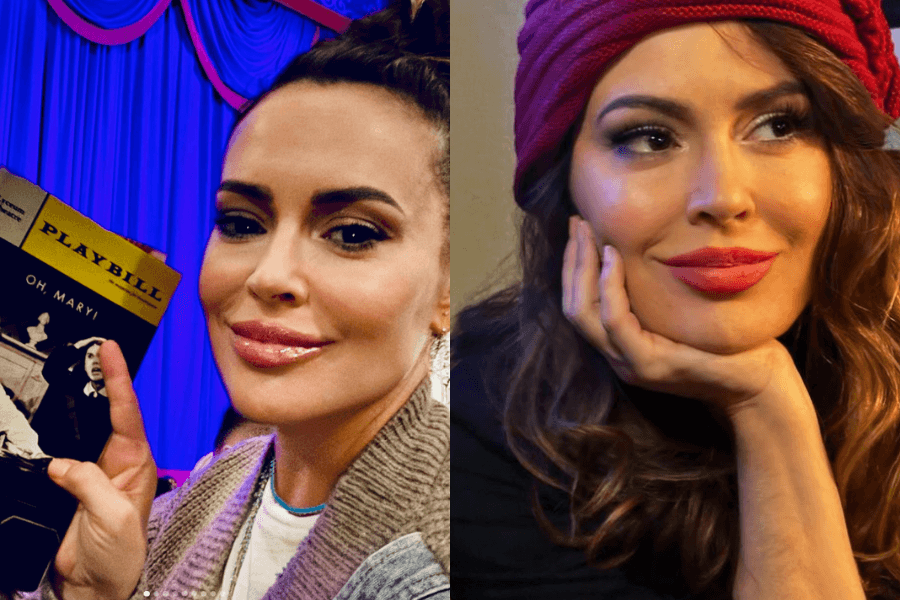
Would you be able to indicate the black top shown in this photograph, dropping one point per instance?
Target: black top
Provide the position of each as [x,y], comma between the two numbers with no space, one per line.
[498,550]
[68,422]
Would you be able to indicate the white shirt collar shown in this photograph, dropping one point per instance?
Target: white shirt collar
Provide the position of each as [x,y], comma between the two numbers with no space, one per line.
[89,391]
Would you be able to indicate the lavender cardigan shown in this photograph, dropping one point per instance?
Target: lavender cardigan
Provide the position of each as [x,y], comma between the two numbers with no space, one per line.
[386,529]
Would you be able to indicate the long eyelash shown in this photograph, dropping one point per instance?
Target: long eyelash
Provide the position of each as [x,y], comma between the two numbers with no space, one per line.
[621,136]
[800,116]
[377,236]
[619,139]
[226,224]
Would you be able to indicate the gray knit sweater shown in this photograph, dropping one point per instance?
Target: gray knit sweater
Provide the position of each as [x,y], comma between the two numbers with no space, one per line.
[399,484]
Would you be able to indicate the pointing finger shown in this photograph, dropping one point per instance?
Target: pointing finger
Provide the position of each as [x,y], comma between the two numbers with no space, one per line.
[125,413]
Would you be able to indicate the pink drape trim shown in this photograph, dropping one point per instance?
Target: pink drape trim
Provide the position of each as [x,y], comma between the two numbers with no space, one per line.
[179,476]
[108,37]
[318,13]
[123,35]
[229,95]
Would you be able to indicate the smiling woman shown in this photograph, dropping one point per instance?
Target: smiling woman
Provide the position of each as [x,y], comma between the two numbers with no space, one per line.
[326,260]
[706,186]
[327,207]
[694,390]
[325,284]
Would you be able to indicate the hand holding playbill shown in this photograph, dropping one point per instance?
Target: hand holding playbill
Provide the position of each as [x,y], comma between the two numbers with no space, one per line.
[103,551]
[70,286]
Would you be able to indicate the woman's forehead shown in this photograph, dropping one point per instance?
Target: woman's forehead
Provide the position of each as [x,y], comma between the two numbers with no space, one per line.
[694,58]
[304,112]
[310,136]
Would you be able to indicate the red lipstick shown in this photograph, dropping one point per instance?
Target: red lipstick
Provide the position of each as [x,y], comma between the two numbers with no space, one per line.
[268,345]
[721,270]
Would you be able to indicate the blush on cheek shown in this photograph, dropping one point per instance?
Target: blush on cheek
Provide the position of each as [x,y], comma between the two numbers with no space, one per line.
[204,289]
[614,203]
[206,285]
[221,280]
[368,306]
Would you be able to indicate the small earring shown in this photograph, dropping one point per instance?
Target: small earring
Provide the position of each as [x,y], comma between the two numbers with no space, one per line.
[440,367]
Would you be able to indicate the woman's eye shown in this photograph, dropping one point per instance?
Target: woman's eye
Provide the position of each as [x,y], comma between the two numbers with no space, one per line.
[355,237]
[779,126]
[641,141]
[237,226]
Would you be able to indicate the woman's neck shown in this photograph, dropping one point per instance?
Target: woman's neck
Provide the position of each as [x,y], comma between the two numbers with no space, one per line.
[310,457]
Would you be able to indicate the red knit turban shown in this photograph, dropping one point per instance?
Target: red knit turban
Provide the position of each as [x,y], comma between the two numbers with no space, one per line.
[565,45]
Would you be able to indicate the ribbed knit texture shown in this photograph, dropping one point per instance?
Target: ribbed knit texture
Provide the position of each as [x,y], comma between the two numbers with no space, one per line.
[399,484]
[566,45]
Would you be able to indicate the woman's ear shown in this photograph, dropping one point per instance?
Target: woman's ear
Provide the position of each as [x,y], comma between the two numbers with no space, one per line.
[440,323]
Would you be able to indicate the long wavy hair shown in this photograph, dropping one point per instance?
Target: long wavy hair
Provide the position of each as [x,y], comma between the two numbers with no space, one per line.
[653,483]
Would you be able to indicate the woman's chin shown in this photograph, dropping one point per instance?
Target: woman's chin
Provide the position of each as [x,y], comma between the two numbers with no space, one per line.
[718,340]
[727,347]
[723,331]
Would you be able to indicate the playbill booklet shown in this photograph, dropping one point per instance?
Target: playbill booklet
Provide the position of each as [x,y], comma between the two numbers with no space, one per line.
[66,285]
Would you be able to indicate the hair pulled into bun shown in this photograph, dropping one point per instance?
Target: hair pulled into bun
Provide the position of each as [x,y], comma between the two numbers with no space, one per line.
[421,28]
[404,48]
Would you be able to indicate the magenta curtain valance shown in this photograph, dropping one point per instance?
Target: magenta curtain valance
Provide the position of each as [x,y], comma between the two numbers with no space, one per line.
[240,46]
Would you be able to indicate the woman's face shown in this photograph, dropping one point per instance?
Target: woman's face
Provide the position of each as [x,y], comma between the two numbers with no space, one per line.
[699,138]
[323,282]
[92,363]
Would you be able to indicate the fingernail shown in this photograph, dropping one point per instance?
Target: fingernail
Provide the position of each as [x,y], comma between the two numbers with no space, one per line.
[58,468]
[607,253]
[579,232]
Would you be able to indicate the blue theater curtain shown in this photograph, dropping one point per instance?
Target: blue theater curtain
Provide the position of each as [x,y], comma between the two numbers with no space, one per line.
[132,133]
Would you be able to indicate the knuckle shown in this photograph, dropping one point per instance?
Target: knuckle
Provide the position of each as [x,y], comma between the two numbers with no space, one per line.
[610,322]
[120,523]
[577,315]
[84,473]
[129,518]
[649,369]
[654,370]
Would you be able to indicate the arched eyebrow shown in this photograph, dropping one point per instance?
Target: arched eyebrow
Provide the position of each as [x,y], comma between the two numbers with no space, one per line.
[346,196]
[765,97]
[681,112]
[262,195]
[259,194]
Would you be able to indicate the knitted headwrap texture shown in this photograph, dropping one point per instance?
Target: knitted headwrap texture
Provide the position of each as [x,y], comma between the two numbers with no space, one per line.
[566,45]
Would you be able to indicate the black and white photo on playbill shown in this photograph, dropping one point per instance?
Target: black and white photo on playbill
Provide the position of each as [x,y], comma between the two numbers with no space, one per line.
[54,402]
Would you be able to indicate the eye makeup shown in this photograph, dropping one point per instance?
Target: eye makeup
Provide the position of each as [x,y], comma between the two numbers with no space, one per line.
[789,119]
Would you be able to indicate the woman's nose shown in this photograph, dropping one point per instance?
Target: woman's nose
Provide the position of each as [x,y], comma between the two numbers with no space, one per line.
[724,193]
[277,276]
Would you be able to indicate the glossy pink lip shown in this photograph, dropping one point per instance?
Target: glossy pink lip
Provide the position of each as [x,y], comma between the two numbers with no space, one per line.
[268,345]
[721,270]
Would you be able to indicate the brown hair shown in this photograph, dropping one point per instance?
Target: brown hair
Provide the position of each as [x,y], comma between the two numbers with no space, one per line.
[646,479]
[403,49]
